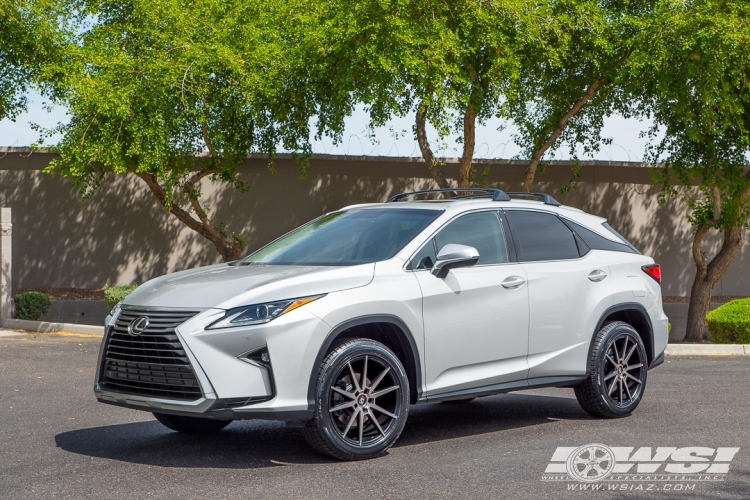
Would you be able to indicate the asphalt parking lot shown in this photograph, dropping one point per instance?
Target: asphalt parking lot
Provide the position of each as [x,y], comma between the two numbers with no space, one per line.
[58,442]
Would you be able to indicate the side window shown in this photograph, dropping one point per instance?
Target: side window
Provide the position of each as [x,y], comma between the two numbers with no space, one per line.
[596,241]
[481,230]
[541,236]
[425,258]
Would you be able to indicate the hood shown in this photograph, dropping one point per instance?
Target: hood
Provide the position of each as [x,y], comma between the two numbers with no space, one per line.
[223,286]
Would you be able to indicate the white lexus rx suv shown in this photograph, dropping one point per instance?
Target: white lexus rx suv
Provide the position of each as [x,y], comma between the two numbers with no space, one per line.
[342,324]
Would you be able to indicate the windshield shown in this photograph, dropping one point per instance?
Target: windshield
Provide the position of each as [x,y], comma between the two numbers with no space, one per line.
[357,236]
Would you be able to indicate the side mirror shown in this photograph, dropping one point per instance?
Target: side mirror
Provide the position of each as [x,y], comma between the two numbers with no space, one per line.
[452,256]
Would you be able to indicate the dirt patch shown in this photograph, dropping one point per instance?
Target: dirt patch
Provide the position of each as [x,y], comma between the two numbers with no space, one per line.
[67,293]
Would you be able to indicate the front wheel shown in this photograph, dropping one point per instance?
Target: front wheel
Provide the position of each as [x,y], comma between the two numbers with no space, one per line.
[191,425]
[361,401]
[617,373]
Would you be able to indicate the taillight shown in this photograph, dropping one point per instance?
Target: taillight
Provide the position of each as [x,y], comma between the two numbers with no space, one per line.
[654,270]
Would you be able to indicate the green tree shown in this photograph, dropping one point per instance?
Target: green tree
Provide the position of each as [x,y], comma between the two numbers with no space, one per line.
[174,93]
[573,77]
[449,63]
[697,75]
[30,35]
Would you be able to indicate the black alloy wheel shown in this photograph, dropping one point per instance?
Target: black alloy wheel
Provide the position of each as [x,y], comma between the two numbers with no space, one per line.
[362,401]
[618,368]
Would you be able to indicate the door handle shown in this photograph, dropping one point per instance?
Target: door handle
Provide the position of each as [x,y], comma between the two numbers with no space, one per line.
[513,282]
[597,275]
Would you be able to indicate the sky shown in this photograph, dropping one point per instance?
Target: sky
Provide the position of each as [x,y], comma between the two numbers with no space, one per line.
[627,145]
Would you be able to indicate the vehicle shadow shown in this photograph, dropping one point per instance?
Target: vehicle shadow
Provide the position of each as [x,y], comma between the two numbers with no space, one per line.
[257,444]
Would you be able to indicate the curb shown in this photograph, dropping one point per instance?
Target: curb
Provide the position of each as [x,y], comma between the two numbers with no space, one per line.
[708,350]
[46,327]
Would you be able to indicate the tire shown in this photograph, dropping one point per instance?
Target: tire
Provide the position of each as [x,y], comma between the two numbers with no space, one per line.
[191,425]
[363,426]
[618,368]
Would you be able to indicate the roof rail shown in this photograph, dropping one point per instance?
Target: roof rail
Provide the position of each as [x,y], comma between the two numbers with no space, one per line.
[495,194]
[547,199]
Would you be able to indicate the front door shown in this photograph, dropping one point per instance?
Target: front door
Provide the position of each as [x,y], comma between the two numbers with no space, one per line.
[476,318]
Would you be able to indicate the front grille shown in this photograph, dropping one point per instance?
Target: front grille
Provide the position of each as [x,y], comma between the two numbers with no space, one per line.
[153,363]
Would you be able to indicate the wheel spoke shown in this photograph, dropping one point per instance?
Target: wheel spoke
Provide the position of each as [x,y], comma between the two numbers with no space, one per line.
[351,421]
[343,392]
[627,389]
[620,390]
[380,378]
[354,377]
[343,406]
[361,425]
[639,365]
[617,353]
[381,410]
[624,350]
[379,393]
[614,363]
[364,375]
[630,353]
[612,374]
[375,421]
[633,378]
[612,387]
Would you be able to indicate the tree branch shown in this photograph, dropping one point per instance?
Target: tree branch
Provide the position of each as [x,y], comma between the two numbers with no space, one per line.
[207,140]
[556,132]
[178,211]
[424,146]
[700,263]
[464,170]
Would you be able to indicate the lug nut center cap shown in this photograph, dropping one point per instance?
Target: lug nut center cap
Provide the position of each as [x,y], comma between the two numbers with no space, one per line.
[361,400]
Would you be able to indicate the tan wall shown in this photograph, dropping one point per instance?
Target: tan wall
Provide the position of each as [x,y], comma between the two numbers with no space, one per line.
[122,235]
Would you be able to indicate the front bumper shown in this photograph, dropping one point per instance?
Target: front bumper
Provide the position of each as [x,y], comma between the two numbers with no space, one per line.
[232,385]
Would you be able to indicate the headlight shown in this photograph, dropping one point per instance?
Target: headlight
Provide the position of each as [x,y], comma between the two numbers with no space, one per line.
[113,313]
[260,313]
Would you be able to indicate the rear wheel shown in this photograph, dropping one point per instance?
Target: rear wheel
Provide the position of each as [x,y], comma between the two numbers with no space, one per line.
[617,373]
[361,401]
[191,425]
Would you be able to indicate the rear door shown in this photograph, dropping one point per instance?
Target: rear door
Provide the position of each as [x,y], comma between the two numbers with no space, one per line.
[566,284]
[476,318]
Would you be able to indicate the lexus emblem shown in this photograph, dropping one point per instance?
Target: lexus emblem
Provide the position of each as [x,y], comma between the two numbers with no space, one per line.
[137,326]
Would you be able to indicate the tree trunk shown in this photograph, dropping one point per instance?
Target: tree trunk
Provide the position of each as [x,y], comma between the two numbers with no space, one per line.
[467,157]
[229,248]
[536,158]
[436,170]
[706,277]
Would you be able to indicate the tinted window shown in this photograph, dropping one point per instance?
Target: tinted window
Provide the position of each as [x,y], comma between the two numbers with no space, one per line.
[612,230]
[481,230]
[425,258]
[349,237]
[541,236]
[598,242]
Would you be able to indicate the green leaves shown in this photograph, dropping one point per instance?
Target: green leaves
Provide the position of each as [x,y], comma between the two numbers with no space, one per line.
[175,92]
[696,90]
[730,323]
[31,35]
[394,56]
[151,83]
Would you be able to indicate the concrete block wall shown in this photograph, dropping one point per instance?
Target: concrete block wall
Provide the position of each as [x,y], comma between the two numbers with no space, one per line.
[122,235]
